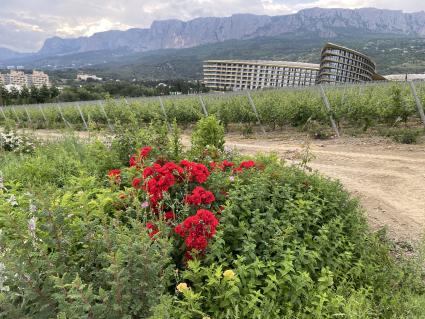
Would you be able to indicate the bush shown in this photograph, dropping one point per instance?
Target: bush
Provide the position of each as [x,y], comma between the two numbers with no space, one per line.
[403,135]
[296,246]
[208,132]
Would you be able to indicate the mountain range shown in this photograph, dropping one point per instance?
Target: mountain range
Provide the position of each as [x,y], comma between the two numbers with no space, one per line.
[325,24]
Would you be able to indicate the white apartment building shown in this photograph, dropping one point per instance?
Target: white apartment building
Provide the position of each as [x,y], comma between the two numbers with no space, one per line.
[240,74]
[20,79]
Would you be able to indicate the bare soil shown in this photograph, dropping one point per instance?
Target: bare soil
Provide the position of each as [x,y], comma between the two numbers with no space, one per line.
[388,178]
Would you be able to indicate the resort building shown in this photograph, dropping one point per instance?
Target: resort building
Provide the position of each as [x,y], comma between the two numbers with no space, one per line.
[338,65]
[240,75]
[20,79]
[38,79]
[343,65]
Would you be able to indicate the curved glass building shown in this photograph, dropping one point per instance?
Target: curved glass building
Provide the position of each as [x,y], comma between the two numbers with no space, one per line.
[343,65]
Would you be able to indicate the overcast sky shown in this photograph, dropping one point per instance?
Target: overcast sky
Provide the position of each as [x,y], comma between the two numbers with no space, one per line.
[25,24]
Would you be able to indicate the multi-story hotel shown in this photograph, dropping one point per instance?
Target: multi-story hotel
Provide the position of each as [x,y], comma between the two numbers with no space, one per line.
[338,65]
[20,79]
[343,65]
[239,75]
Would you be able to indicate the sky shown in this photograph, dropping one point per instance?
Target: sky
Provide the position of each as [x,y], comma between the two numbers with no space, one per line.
[25,24]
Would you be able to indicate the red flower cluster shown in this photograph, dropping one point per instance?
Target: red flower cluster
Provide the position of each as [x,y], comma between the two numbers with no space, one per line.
[245,165]
[200,196]
[160,179]
[195,171]
[222,166]
[197,229]
[152,229]
[136,159]
[114,173]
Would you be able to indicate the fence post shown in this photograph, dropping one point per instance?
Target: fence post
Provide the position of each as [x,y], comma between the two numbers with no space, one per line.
[204,108]
[165,114]
[328,108]
[82,116]
[256,113]
[418,102]
[63,117]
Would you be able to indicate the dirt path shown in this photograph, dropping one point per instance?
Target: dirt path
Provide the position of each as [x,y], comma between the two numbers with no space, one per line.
[388,178]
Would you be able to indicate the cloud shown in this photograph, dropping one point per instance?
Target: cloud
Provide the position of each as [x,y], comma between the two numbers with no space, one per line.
[25,24]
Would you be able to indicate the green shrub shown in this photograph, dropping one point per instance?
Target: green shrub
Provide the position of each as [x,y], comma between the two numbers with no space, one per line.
[208,132]
[299,248]
[403,135]
[65,256]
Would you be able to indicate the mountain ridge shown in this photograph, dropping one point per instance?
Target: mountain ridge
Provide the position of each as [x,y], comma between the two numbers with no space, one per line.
[177,34]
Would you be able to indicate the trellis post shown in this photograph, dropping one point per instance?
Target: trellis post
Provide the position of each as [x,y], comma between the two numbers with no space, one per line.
[42,113]
[204,108]
[106,116]
[63,117]
[328,108]
[82,116]
[418,102]
[165,114]
[28,115]
[256,113]
[2,112]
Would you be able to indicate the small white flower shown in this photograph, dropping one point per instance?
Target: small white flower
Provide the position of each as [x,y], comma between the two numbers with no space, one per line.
[12,200]
[32,225]
[232,178]
[145,205]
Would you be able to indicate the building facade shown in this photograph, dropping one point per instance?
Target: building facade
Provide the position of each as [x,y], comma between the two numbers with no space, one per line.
[241,75]
[343,65]
[20,79]
[338,65]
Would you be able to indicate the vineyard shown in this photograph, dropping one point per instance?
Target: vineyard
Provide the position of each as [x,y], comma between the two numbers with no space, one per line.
[360,106]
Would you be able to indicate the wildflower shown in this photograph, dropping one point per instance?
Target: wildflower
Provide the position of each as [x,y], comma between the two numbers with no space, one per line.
[32,208]
[181,287]
[229,274]
[32,226]
[12,200]
[145,204]
[232,178]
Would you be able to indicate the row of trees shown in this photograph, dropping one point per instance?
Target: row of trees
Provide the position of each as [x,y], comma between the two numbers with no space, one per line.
[96,91]
[28,95]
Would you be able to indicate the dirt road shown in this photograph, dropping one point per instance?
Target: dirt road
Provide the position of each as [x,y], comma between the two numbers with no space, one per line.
[388,178]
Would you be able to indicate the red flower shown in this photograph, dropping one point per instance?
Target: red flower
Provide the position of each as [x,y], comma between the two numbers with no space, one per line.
[144,152]
[132,161]
[114,173]
[136,183]
[195,171]
[197,229]
[245,165]
[226,164]
[152,229]
[200,196]
[169,215]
